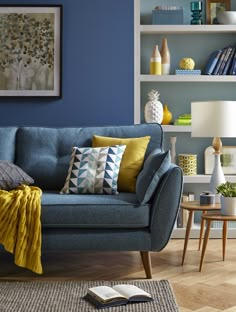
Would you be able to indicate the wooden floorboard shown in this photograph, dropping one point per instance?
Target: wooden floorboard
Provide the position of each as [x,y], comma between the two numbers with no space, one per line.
[212,290]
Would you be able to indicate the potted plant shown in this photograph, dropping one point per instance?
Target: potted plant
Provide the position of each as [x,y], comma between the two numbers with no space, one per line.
[227,191]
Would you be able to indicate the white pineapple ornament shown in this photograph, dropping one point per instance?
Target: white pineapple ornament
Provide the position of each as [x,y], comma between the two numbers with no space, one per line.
[153,111]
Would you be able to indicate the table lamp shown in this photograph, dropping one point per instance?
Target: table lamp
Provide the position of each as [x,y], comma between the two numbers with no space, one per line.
[215,119]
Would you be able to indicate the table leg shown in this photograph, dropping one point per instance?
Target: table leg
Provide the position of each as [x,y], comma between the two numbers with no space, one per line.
[188,228]
[224,237]
[206,236]
[201,230]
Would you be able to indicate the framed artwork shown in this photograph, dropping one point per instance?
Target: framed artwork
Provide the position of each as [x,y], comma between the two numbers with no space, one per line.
[30,50]
[227,159]
[213,7]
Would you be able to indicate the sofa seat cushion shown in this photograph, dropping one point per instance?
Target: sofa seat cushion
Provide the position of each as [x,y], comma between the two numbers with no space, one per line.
[93,211]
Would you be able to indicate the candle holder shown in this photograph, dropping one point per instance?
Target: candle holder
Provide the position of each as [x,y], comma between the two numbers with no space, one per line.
[196,8]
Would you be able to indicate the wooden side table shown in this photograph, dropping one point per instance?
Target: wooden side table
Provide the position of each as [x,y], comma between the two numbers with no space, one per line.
[215,217]
[192,206]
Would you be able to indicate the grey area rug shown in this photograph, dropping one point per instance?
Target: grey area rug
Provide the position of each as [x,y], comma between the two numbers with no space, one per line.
[68,296]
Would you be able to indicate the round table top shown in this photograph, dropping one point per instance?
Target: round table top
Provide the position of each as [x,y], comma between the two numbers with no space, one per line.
[195,205]
[218,217]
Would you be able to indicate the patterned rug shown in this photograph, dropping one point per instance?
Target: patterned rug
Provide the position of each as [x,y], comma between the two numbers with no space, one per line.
[68,296]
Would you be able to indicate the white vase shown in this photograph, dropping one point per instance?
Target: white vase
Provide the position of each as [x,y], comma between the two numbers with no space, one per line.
[228,206]
[217,177]
[172,149]
[153,111]
[165,58]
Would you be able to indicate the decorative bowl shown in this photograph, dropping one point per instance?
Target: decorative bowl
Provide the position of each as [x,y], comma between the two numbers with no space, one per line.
[227,17]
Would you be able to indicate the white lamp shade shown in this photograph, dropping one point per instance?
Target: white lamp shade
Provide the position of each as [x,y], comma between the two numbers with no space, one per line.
[213,119]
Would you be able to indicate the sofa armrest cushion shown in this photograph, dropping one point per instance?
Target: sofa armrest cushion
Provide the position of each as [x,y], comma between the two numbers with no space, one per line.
[155,166]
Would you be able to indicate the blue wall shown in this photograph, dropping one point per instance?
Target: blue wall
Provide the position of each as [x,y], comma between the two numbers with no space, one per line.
[97,69]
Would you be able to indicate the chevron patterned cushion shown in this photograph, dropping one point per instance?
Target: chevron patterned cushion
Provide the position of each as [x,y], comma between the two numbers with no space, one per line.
[94,170]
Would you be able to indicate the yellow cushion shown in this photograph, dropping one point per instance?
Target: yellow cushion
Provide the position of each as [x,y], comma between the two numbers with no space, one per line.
[132,160]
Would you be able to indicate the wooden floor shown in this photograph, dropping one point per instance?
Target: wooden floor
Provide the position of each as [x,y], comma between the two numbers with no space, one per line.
[212,290]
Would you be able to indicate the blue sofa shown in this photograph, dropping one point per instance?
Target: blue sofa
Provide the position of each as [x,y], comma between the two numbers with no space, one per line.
[93,222]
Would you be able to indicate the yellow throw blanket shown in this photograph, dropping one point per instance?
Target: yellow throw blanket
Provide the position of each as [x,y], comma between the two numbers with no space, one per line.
[20,225]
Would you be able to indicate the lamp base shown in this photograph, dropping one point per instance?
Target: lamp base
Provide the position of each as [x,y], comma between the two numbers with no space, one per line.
[217,178]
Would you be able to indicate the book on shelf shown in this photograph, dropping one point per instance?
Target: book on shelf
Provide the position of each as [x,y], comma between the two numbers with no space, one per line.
[183,120]
[225,60]
[229,62]
[219,62]
[105,296]
[178,122]
[212,61]
[219,224]
[185,116]
[232,70]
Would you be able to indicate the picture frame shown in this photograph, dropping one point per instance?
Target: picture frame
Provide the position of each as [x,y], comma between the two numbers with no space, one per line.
[213,7]
[30,51]
[227,158]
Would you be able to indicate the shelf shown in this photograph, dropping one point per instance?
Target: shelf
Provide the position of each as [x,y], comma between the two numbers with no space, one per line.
[172,128]
[187,78]
[216,233]
[202,178]
[185,29]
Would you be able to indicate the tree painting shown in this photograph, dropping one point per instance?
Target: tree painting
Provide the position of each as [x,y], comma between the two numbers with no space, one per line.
[26,51]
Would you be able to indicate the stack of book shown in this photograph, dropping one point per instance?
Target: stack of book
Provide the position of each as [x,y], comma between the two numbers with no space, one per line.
[183,120]
[221,62]
[183,215]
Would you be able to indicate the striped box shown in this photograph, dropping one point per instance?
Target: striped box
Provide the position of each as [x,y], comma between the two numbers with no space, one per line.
[188,71]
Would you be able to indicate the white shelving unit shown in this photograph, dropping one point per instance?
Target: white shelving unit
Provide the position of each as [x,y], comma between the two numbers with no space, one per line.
[202,178]
[186,78]
[140,31]
[169,29]
[184,29]
[172,128]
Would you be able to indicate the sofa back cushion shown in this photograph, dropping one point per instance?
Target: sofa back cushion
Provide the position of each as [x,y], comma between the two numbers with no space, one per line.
[7,143]
[44,153]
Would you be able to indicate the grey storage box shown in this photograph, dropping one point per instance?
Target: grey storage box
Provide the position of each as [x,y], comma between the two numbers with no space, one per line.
[167,17]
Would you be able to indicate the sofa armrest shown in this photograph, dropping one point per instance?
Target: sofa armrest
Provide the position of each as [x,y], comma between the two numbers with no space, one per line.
[165,207]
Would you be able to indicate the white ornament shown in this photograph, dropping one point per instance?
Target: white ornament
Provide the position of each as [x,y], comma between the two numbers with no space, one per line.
[153,111]
[172,150]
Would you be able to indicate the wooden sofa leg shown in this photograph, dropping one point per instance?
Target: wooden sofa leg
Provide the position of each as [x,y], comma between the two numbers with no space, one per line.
[146,259]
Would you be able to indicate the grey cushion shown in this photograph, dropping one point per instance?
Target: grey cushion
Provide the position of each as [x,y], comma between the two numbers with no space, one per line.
[93,211]
[11,176]
[156,165]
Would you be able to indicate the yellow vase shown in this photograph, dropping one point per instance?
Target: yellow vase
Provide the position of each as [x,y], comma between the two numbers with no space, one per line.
[167,116]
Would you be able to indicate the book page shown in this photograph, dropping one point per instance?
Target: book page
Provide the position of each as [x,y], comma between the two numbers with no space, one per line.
[104,293]
[130,291]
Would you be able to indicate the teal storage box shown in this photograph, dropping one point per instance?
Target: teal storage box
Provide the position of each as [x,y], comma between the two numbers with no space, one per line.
[167,17]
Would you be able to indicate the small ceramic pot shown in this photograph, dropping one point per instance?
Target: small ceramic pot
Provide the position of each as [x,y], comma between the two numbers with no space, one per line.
[228,206]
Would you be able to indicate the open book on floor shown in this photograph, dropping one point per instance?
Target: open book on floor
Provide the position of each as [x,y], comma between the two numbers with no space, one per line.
[105,296]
